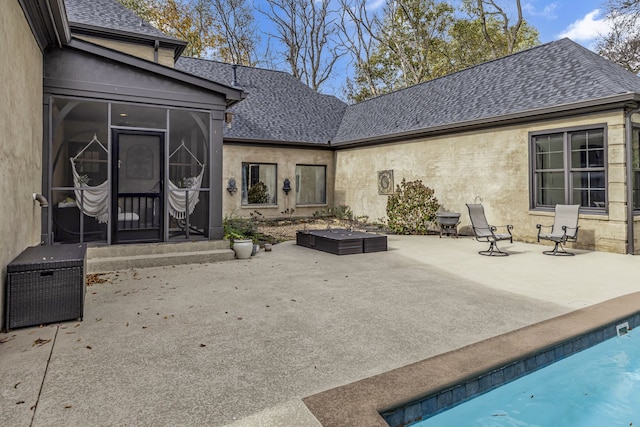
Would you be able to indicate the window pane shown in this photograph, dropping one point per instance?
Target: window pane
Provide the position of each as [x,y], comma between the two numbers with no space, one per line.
[587,149]
[636,167]
[550,188]
[258,184]
[589,189]
[549,153]
[310,185]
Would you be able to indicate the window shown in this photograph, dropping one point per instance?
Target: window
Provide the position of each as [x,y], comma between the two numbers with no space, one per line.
[569,168]
[258,184]
[636,167]
[311,187]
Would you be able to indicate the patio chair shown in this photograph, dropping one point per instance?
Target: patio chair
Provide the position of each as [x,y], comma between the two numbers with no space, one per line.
[487,233]
[563,230]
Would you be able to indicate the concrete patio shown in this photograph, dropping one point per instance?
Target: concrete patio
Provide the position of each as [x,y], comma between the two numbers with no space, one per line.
[241,343]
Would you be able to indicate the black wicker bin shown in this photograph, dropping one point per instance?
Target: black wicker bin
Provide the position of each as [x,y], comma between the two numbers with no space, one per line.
[45,284]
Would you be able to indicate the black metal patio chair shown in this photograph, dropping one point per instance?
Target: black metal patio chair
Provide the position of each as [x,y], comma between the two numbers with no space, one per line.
[564,229]
[487,233]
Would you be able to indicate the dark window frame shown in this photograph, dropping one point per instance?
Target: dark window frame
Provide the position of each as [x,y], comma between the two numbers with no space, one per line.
[245,184]
[567,169]
[324,190]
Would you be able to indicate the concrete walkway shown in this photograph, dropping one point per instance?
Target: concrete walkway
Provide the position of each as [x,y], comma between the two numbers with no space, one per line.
[242,342]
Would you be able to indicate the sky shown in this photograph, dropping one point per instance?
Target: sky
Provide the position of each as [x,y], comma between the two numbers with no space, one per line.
[579,20]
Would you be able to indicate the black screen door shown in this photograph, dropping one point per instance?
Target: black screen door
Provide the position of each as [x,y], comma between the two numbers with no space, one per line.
[138,178]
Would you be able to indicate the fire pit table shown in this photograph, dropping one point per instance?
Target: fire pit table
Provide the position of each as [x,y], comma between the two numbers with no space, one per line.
[341,241]
[448,222]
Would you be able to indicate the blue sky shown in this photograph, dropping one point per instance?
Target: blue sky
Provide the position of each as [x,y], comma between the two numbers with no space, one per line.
[580,20]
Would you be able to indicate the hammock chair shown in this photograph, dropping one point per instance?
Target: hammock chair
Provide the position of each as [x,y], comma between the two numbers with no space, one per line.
[177,201]
[92,200]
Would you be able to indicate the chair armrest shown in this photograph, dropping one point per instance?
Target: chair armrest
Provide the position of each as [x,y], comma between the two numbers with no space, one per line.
[539,227]
[575,235]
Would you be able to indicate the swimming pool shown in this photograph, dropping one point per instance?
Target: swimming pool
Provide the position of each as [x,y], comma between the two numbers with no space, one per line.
[596,387]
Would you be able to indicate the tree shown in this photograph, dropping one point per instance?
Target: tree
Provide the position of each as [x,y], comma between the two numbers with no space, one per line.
[420,40]
[357,32]
[622,44]
[234,22]
[222,29]
[306,31]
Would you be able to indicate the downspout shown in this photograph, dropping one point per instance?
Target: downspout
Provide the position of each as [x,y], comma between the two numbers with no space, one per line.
[630,110]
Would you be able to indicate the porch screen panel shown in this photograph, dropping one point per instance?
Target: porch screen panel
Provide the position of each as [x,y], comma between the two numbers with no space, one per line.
[80,131]
[188,187]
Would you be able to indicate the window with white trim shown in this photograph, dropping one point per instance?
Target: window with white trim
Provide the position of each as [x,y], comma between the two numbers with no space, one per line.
[569,167]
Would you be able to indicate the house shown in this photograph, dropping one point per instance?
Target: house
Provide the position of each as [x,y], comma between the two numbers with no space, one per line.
[130,142]
[555,124]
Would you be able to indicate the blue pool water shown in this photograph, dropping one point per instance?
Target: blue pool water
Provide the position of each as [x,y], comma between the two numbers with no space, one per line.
[597,387]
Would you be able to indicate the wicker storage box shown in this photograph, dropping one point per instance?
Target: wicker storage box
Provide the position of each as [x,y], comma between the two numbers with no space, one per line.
[45,284]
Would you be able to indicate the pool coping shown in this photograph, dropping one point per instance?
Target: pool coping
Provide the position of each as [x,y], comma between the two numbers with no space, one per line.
[362,402]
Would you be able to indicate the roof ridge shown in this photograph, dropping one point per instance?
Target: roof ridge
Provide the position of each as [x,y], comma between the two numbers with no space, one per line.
[239,65]
[460,71]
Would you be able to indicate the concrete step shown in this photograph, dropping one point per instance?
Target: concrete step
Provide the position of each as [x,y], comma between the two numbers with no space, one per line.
[155,248]
[122,257]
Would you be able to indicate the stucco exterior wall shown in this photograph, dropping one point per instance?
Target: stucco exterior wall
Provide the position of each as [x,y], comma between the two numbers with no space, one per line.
[286,160]
[165,56]
[489,167]
[21,130]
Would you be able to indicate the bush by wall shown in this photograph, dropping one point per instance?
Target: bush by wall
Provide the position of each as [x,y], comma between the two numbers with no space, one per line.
[412,208]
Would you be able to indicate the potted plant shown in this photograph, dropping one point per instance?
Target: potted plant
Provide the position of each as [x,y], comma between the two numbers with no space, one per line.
[241,232]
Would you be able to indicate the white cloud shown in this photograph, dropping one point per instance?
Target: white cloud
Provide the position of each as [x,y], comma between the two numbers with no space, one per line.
[375,4]
[548,11]
[587,28]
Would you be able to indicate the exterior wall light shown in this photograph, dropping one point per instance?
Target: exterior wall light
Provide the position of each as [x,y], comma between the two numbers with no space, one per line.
[228,118]
[287,186]
[231,186]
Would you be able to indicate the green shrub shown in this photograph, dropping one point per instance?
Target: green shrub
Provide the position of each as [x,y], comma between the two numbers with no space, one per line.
[412,208]
[240,228]
[258,193]
[343,212]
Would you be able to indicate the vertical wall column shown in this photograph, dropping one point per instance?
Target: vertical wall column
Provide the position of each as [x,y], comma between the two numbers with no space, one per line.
[216,231]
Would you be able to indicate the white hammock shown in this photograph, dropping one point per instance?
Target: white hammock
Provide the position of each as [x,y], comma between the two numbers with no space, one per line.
[177,196]
[92,200]
[177,201]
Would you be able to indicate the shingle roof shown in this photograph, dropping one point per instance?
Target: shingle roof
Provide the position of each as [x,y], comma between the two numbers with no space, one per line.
[554,74]
[110,14]
[278,107]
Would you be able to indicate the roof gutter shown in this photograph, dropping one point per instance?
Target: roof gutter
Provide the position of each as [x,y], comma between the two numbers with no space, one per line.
[48,21]
[277,144]
[594,105]
[631,109]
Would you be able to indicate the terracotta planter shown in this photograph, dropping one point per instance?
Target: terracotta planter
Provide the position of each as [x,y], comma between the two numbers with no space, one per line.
[243,248]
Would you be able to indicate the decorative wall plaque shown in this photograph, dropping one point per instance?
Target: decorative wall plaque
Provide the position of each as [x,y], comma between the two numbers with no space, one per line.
[385,182]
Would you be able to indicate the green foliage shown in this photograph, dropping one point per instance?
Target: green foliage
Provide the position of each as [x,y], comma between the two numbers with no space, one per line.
[258,193]
[343,212]
[420,40]
[236,228]
[412,208]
